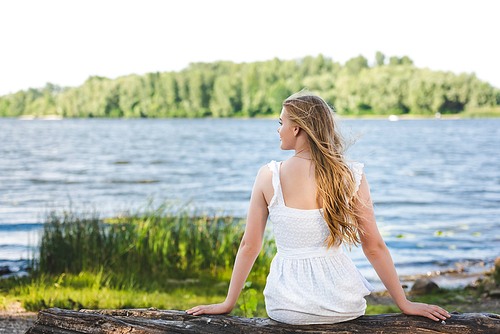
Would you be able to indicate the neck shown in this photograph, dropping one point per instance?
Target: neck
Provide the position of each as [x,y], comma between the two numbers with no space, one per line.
[303,153]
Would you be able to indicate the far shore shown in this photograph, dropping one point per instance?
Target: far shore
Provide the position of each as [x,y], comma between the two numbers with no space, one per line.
[275,117]
[472,114]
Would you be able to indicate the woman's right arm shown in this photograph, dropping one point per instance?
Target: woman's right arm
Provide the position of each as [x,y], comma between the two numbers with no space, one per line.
[250,247]
[378,254]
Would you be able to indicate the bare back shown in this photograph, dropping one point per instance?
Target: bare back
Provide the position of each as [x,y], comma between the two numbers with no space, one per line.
[298,184]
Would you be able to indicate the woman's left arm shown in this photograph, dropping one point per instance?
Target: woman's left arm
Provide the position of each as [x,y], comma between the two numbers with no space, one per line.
[249,249]
[378,254]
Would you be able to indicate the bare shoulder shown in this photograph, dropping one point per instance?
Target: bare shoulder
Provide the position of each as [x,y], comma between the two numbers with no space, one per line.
[264,175]
[263,183]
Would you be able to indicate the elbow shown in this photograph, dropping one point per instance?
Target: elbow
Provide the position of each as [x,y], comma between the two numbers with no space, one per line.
[374,250]
[250,249]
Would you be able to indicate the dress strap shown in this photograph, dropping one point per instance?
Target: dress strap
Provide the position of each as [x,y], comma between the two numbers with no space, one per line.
[278,197]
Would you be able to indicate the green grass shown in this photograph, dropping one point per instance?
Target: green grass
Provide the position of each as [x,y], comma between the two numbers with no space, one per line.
[381,309]
[93,291]
[445,296]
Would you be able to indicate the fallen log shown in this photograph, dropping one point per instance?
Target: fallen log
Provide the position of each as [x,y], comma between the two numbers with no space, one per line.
[154,321]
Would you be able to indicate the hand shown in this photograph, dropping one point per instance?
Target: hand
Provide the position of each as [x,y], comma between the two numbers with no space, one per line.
[430,311]
[210,309]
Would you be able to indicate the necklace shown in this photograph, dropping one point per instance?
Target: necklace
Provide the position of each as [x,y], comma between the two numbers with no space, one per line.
[296,156]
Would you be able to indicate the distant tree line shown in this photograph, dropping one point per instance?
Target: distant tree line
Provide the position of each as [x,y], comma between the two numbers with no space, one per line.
[225,89]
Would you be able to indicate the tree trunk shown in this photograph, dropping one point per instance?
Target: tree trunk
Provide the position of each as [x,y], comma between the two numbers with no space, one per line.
[142,321]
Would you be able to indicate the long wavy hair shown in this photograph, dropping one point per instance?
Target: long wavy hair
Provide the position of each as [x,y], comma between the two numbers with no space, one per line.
[334,179]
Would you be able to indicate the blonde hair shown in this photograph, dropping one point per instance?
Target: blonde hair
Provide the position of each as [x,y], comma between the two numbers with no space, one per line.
[334,179]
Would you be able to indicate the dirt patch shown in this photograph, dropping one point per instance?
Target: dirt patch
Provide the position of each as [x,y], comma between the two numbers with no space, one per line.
[483,306]
[14,319]
[17,323]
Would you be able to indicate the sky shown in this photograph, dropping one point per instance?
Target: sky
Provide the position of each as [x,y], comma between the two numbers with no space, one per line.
[65,42]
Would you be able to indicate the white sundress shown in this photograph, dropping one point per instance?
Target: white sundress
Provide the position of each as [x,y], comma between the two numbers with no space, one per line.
[308,283]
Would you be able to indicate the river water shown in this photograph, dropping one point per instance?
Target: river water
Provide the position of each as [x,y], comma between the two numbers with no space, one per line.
[435,183]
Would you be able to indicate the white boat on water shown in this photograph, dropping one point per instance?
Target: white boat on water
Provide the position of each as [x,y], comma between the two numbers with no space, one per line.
[26,117]
[393,118]
[51,117]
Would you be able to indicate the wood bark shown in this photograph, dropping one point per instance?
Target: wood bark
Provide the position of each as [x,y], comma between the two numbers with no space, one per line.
[142,321]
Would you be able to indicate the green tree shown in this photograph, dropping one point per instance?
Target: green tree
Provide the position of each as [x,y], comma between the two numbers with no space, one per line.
[394,61]
[4,106]
[196,94]
[112,98]
[183,90]
[17,103]
[276,95]
[406,61]
[251,97]
[171,91]
[130,93]
[379,57]
[226,99]
[355,65]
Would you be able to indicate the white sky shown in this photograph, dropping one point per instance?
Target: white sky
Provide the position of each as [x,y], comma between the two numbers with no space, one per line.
[65,42]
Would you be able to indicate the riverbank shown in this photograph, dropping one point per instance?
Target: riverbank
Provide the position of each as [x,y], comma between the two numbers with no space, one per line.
[87,291]
[16,320]
[95,291]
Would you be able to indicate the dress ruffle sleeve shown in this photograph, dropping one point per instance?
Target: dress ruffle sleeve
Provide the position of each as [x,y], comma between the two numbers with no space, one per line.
[357,171]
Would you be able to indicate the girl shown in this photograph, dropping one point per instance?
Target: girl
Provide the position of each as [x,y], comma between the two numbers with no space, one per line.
[317,202]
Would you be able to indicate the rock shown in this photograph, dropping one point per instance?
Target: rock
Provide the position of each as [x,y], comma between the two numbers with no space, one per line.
[489,284]
[5,270]
[496,270]
[423,286]
[459,299]
[494,293]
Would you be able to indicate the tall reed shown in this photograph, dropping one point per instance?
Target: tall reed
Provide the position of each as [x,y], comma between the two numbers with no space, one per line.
[156,244]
